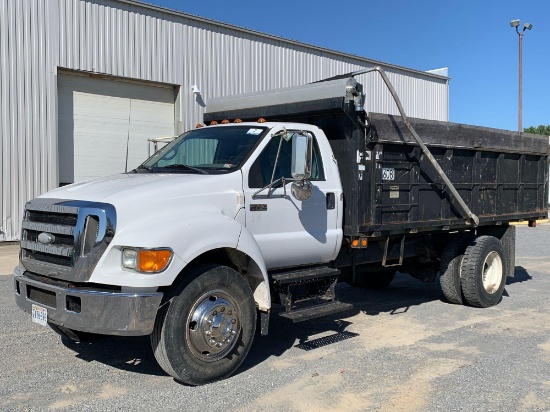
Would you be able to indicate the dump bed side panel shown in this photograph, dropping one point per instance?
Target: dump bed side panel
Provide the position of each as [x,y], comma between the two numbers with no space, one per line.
[501,175]
[409,195]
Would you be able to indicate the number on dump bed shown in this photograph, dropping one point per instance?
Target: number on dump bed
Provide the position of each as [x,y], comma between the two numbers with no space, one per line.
[388,174]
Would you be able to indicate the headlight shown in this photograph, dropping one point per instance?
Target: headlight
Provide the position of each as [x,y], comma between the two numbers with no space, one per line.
[146,260]
[129,258]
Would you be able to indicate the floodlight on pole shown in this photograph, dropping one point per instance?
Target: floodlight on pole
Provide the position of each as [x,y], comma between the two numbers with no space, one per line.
[526,26]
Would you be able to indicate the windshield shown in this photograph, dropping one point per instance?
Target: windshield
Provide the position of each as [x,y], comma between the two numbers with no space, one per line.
[204,150]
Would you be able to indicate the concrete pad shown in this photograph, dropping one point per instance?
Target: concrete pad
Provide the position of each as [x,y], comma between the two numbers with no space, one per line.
[9,257]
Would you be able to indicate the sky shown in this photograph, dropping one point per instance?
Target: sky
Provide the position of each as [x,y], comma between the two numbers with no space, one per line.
[473,38]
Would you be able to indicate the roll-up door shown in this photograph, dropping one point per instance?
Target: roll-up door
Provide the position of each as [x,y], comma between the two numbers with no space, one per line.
[100,120]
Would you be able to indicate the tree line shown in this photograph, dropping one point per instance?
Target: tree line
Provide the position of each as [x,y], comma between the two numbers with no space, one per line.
[545,130]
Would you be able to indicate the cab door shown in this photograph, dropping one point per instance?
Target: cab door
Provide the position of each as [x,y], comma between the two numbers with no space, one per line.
[291,232]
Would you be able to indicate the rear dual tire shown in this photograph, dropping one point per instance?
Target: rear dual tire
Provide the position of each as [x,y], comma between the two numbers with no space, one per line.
[473,271]
[450,269]
[483,272]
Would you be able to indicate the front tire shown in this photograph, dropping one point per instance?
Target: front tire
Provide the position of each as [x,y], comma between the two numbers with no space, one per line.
[205,328]
[484,269]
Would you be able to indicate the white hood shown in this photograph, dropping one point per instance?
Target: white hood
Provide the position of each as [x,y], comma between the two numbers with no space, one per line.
[163,192]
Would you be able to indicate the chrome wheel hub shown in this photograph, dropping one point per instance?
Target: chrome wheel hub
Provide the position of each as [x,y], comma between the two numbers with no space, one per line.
[492,272]
[213,326]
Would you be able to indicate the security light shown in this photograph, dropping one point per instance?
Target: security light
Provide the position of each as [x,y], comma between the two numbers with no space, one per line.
[514,23]
[527,26]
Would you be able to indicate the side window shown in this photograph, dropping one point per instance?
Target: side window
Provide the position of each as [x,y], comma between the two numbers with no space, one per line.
[262,168]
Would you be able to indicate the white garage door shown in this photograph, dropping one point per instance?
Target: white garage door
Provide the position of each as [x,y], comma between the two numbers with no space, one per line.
[99,120]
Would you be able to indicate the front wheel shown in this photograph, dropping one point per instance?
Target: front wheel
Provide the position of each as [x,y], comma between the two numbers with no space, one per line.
[205,328]
[483,272]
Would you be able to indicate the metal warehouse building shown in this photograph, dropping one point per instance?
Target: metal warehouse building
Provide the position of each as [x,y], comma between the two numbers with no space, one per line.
[84,81]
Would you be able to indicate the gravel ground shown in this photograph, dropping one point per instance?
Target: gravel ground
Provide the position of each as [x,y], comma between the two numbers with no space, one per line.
[401,349]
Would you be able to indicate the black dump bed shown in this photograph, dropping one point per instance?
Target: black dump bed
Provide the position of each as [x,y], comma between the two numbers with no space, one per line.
[390,187]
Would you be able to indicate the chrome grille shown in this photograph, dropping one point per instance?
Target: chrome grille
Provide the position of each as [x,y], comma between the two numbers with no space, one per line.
[74,236]
[65,219]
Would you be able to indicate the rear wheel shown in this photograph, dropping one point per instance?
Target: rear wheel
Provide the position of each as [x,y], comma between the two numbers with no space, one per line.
[450,269]
[484,269]
[205,328]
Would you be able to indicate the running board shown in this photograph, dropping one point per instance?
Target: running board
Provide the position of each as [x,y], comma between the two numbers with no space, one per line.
[304,275]
[316,311]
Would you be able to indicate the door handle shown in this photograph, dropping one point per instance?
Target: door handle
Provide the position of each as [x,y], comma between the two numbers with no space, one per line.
[331,201]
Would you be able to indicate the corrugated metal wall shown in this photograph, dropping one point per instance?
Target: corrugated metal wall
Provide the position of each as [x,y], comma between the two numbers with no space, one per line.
[126,39]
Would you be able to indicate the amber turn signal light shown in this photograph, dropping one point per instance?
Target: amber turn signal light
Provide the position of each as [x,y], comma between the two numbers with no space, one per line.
[153,260]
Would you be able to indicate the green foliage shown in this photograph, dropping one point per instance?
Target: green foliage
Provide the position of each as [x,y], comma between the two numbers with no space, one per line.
[545,130]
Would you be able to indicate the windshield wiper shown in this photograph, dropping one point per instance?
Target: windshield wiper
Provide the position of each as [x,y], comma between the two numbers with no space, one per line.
[148,168]
[185,167]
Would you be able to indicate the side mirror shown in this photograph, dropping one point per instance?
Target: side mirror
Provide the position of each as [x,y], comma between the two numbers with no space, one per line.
[302,148]
[301,156]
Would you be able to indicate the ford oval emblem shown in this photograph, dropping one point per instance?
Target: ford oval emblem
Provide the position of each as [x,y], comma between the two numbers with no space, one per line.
[46,238]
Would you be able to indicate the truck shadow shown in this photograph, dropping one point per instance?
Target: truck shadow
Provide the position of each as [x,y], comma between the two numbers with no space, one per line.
[404,293]
[134,354]
[520,275]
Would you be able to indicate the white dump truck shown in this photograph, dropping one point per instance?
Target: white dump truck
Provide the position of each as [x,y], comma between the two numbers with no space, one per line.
[263,209]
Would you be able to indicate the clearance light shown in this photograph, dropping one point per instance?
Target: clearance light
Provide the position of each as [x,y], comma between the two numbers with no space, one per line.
[213,123]
[225,121]
[198,126]
[261,120]
[354,243]
[146,260]
[364,242]
[238,121]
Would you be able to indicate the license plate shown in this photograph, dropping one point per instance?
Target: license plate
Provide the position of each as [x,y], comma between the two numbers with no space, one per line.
[39,315]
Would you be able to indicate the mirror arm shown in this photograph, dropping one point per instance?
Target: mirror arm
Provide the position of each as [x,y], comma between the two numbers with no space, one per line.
[276,160]
[270,186]
[284,180]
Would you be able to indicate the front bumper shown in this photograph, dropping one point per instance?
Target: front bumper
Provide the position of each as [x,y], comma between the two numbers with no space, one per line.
[95,311]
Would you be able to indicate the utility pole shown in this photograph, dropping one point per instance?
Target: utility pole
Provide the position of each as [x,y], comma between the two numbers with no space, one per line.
[526,26]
